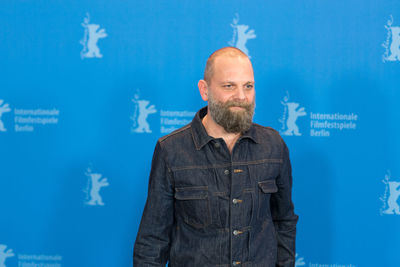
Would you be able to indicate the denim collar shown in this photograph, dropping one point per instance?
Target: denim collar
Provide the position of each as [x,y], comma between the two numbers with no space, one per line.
[201,138]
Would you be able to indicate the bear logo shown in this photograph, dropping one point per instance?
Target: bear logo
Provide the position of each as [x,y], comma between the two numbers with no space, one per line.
[91,37]
[241,35]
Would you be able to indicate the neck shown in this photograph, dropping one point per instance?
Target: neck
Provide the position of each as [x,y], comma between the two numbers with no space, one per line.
[217,131]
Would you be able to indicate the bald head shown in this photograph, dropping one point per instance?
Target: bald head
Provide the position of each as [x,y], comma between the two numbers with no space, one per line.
[223,52]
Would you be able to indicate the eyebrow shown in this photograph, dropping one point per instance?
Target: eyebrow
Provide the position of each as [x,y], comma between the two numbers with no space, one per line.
[235,82]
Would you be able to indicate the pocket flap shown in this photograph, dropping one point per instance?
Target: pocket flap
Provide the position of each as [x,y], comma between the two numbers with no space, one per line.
[268,186]
[188,193]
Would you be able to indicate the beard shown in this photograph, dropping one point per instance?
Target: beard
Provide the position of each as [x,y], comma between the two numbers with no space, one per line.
[237,121]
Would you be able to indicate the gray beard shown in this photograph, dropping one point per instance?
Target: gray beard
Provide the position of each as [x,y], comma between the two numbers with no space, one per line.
[232,121]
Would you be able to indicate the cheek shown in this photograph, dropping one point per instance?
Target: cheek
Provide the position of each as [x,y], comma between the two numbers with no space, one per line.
[250,96]
[225,96]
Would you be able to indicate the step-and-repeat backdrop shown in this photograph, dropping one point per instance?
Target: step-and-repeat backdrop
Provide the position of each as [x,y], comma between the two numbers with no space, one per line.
[87,88]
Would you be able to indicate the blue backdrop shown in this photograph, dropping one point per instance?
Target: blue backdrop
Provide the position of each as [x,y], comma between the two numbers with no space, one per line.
[87,88]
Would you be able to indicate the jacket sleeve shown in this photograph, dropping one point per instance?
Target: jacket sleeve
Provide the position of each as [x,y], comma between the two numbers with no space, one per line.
[283,215]
[153,239]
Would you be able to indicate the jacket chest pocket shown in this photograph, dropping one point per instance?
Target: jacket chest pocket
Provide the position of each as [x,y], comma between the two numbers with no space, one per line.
[266,188]
[193,204]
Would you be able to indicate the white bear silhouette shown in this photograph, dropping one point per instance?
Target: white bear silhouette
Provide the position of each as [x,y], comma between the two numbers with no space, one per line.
[394,191]
[90,39]
[96,185]
[292,127]
[3,108]
[144,111]
[94,36]
[241,35]
[299,261]
[4,254]
[395,45]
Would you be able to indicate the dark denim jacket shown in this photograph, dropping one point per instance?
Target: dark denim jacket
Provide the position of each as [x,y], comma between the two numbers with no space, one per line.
[208,207]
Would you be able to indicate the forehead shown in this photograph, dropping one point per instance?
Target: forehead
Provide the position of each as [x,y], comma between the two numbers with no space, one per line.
[233,68]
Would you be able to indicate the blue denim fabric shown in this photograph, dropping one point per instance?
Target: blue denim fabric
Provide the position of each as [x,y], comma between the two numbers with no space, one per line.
[209,207]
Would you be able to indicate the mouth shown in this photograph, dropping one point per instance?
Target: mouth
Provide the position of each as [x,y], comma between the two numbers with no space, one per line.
[237,107]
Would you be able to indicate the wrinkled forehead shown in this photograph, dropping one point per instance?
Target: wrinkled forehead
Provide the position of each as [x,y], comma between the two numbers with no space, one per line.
[221,55]
[238,67]
[232,59]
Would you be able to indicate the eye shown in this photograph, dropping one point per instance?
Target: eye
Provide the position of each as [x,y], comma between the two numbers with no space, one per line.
[249,86]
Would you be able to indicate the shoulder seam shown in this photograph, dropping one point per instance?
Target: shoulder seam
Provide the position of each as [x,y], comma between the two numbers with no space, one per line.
[162,139]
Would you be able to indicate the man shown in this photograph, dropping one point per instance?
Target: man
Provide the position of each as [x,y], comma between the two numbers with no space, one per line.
[220,187]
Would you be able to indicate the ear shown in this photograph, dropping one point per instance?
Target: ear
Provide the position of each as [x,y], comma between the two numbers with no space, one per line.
[203,89]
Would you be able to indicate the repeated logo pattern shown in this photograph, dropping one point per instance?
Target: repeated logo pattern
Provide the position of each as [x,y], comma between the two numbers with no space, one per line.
[141,111]
[391,196]
[299,261]
[95,183]
[291,112]
[91,36]
[4,254]
[241,34]
[4,107]
[171,119]
[392,42]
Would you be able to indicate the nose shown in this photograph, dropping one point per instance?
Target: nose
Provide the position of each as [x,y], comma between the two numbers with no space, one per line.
[240,94]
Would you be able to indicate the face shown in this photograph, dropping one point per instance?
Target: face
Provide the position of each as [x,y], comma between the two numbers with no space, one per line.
[231,93]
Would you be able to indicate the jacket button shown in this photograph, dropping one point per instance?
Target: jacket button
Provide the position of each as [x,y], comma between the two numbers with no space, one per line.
[235,201]
[237,232]
[217,145]
[235,263]
[226,172]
